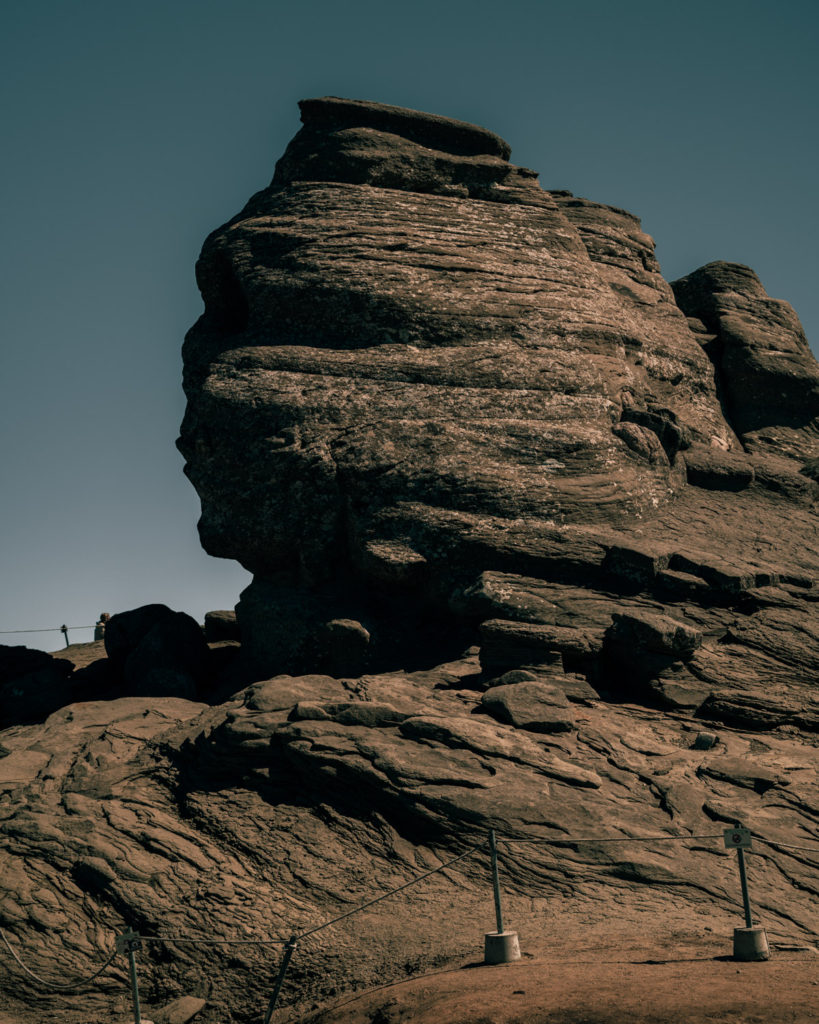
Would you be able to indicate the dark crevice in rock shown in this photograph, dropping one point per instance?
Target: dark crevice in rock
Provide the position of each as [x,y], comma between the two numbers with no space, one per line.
[673,436]
[226,304]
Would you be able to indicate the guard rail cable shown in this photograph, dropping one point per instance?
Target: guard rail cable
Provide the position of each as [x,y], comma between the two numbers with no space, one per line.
[62,987]
[129,942]
[49,629]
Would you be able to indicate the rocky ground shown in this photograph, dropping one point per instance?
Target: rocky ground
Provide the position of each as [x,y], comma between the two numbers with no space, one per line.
[535,550]
[303,797]
[695,988]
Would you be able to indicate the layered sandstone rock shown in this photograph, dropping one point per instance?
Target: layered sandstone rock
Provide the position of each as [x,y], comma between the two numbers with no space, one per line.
[416,365]
[768,376]
[432,405]
[302,798]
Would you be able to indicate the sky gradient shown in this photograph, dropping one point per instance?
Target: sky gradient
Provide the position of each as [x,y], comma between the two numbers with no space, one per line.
[131,131]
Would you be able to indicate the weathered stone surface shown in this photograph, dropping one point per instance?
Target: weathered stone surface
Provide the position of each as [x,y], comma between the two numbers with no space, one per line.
[741,772]
[786,477]
[256,820]
[389,147]
[507,645]
[388,335]
[717,470]
[767,375]
[371,713]
[755,711]
[431,404]
[535,706]
[635,564]
[430,376]
[221,625]
[180,1011]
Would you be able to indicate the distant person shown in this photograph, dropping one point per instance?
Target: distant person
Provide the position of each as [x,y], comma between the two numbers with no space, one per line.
[99,629]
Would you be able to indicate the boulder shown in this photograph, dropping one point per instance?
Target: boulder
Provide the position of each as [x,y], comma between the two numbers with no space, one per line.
[431,402]
[535,706]
[158,652]
[766,372]
[221,626]
[32,685]
[345,644]
[420,376]
[394,414]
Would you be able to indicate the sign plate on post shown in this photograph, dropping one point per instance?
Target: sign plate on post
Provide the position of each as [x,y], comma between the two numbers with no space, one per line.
[128,942]
[737,838]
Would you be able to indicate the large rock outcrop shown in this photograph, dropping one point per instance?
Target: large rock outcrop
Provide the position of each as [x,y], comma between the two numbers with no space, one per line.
[416,366]
[431,405]
[767,373]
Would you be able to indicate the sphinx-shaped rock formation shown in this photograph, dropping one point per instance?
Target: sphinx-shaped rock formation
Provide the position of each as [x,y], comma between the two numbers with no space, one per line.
[429,405]
[416,366]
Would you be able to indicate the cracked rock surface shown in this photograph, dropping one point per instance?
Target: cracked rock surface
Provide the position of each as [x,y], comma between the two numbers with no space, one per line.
[417,366]
[535,549]
[305,796]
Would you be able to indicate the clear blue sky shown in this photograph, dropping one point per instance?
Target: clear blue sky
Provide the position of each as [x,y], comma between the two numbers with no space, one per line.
[130,130]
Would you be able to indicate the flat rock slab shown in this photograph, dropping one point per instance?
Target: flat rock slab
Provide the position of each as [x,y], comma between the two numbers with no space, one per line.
[535,706]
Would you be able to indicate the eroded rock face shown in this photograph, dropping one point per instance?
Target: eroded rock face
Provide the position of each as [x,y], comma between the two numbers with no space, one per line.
[416,366]
[303,797]
[768,376]
[432,404]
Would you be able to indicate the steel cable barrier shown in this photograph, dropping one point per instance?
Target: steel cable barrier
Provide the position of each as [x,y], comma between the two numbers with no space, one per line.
[500,946]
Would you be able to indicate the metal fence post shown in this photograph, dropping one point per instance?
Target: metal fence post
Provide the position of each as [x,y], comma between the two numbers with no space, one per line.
[743,881]
[499,947]
[750,942]
[493,849]
[129,943]
[289,949]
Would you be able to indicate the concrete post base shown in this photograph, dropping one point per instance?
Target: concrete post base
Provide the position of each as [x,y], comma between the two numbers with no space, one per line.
[751,944]
[501,947]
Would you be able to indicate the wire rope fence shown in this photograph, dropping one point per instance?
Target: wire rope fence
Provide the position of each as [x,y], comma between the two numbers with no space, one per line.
[49,629]
[70,986]
[129,942]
